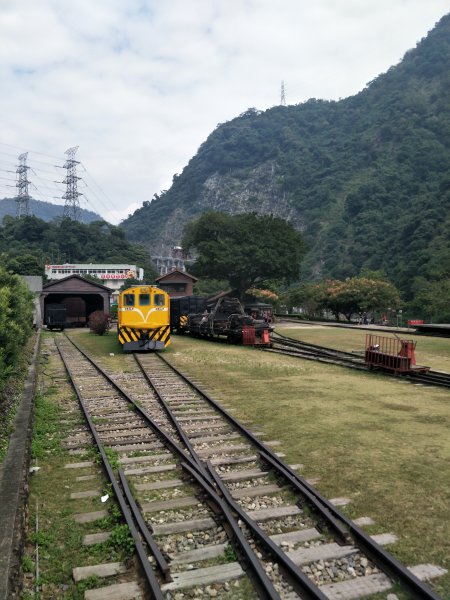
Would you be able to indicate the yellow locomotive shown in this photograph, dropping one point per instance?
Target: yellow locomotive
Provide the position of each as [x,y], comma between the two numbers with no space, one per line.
[143,314]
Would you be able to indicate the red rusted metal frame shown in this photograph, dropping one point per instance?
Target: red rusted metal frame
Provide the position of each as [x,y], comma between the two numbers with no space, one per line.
[393,354]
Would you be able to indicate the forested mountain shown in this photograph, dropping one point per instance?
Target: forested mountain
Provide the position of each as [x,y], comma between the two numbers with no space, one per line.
[28,244]
[44,210]
[366,179]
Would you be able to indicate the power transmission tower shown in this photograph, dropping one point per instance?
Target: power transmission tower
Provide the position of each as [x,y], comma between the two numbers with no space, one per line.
[22,198]
[72,204]
[283,95]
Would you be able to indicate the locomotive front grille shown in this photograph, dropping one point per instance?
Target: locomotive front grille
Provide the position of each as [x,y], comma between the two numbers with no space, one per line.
[138,339]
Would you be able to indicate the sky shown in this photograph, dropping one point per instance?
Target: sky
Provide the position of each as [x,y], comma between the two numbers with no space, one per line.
[138,85]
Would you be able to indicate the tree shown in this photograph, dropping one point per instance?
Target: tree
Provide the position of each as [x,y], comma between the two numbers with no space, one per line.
[431,300]
[307,296]
[246,249]
[27,244]
[357,294]
[22,264]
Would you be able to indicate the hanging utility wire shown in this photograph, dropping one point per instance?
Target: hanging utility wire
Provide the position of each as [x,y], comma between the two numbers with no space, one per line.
[45,179]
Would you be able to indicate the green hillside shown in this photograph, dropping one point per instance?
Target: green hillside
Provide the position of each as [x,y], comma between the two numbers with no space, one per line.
[44,210]
[28,244]
[367,179]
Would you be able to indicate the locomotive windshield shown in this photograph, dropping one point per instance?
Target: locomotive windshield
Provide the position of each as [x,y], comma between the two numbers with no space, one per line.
[128,299]
[144,299]
[159,300]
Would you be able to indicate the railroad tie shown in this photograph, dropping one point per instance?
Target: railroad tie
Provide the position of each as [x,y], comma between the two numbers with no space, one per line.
[102,570]
[205,576]
[118,591]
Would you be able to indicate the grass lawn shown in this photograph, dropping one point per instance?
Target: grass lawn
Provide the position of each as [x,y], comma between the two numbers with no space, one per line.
[382,442]
[431,351]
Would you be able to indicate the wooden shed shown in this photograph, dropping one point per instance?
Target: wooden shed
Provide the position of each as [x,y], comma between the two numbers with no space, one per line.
[79,296]
[177,283]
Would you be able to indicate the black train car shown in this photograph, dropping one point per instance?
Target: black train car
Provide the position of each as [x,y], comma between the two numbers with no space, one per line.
[55,316]
[183,306]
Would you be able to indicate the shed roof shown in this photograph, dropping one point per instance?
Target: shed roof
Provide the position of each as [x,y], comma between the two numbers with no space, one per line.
[166,276]
[77,280]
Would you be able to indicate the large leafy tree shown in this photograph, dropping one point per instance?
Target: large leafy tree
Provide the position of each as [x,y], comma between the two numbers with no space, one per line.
[357,294]
[246,249]
[349,296]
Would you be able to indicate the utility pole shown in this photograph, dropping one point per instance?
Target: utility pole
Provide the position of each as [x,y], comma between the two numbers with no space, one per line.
[22,198]
[283,95]
[72,205]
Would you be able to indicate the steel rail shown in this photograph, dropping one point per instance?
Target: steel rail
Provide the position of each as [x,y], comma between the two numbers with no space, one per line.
[165,437]
[300,581]
[376,552]
[332,523]
[319,353]
[385,560]
[149,539]
[306,345]
[264,585]
[150,576]
[429,378]
[172,419]
[298,353]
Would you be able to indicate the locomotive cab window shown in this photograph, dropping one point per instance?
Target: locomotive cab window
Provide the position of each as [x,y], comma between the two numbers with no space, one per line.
[159,300]
[128,299]
[144,299]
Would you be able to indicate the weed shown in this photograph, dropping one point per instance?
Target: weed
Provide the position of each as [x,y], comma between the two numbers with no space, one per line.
[47,433]
[42,539]
[88,584]
[27,564]
[112,456]
[229,553]
[122,541]
[115,513]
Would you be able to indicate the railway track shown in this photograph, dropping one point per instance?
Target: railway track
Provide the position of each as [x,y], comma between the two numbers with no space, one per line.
[285,345]
[213,507]
[292,347]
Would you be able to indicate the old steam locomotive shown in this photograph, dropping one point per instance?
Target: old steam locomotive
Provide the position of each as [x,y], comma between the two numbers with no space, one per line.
[223,317]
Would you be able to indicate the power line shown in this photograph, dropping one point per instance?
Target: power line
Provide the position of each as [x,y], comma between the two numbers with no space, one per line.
[97,197]
[29,151]
[110,202]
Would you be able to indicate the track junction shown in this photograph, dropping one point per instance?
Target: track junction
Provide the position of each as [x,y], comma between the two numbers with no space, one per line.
[289,346]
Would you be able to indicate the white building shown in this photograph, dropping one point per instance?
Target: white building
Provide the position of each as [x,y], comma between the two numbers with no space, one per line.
[112,276]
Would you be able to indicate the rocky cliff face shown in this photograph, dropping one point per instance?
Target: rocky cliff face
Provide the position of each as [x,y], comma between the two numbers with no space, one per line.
[261,191]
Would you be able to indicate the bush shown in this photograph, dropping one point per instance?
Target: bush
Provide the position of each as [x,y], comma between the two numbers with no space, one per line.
[99,322]
[16,322]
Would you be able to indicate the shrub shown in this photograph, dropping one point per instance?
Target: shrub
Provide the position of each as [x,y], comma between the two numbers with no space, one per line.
[16,321]
[99,322]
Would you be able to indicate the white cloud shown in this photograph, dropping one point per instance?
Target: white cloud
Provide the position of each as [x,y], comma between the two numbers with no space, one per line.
[139,85]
